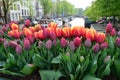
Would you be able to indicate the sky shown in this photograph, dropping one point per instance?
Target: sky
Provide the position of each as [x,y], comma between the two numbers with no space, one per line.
[80,3]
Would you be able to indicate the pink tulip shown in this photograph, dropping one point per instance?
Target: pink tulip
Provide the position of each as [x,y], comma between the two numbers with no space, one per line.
[18,49]
[26,44]
[77,41]
[108,27]
[72,46]
[1,33]
[27,23]
[2,40]
[40,44]
[6,44]
[52,35]
[31,39]
[96,48]
[46,32]
[13,44]
[103,45]
[49,44]
[63,42]
[54,42]
[88,43]
[118,42]
[113,32]
[119,34]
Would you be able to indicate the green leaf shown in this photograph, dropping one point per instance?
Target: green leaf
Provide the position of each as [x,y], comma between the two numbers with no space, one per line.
[71,77]
[89,77]
[2,63]
[111,46]
[11,59]
[56,59]
[28,69]
[93,66]
[11,73]
[78,70]
[50,74]
[106,70]
[117,66]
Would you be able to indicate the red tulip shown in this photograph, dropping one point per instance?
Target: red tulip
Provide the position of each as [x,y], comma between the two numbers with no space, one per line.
[52,25]
[27,32]
[48,44]
[46,32]
[100,37]
[36,35]
[63,42]
[58,32]
[14,33]
[103,45]
[26,44]
[88,43]
[32,29]
[113,32]
[108,27]
[118,42]
[13,44]
[72,46]
[18,49]
[66,32]
[41,35]
[96,48]
[77,41]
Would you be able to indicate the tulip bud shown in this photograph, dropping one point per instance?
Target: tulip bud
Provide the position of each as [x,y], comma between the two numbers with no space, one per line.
[108,27]
[31,39]
[82,58]
[103,45]
[77,42]
[46,33]
[88,43]
[118,42]
[119,34]
[96,48]
[107,59]
[4,29]
[26,44]
[19,49]
[54,42]
[6,44]
[113,32]
[40,44]
[1,33]
[72,46]
[27,23]
[13,44]
[17,41]
[48,44]
[52,36]
[63,42]
[67,54]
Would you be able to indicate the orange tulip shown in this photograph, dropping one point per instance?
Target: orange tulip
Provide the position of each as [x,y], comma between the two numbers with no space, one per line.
[90,33]
[32,29]
[58,32]
[14,33]
[41,35]
[38,27]
[52,25]
[27,32]
[14,26]
[36,35]
[66,32]
[100,37]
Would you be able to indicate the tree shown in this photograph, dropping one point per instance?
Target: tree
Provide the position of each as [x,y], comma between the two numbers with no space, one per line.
[46,5]
[6,6]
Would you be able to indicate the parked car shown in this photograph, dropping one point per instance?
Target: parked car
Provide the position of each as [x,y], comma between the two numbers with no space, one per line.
[88,22]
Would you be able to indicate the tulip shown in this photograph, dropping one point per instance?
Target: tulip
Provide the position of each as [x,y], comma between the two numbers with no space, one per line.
[66,32]
[1,33]
[17,41]
[108,27]
[32,29]
[119,34]
[107,59]
[14,33]
[77,41]
[27,23]
[118,42]
[31,39]
[26,44]
[14,26]
[82,58]
[63,42]
[67,54]
[49,44]
[2,40]
[4,28]
[6,44]
[96,48]
[52,36]
[54,42]
[38,27]
[113,32]
[72,46]
[18,49]
[40,44]
[13,44]
[103,45]
[41,35]
[58,32]
[36,35]
[52,25]
[88,43]
[27,32]
[100,37]
[46,32]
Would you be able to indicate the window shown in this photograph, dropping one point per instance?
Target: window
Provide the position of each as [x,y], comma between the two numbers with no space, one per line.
[16,16]
[18,7]
[22,12]
[12,16]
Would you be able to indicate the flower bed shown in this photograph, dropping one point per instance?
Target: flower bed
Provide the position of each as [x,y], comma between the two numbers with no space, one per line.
[75,53]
